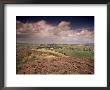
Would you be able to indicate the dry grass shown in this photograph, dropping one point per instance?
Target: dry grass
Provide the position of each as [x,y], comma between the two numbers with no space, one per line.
[43,61]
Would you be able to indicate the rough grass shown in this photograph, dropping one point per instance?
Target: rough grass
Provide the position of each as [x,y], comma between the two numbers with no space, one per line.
[50,52]
[76,53]
[58,59]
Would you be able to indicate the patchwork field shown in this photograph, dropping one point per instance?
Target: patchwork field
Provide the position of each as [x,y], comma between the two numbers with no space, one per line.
[54,59]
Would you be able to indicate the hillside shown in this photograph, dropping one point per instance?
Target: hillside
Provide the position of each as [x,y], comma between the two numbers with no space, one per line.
[54,60]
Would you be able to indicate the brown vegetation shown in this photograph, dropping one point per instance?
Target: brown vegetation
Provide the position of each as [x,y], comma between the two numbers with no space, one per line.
[30,61]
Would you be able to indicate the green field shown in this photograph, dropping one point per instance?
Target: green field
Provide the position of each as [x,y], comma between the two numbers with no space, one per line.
[69,50]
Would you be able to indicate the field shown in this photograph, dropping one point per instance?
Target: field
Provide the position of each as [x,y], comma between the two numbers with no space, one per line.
[54,59]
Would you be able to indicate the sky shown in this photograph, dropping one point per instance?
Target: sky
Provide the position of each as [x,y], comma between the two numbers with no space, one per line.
[55,29]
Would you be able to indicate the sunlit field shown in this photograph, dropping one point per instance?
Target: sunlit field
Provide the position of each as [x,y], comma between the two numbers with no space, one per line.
[54,58]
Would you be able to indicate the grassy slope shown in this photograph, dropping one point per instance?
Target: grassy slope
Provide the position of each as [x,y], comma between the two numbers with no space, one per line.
[36,55]
[79,51]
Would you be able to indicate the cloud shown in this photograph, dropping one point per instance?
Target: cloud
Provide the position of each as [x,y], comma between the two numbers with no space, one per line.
[64,25]
[43,32]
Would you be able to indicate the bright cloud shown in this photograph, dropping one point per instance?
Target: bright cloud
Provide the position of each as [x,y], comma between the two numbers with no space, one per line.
[43,32]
